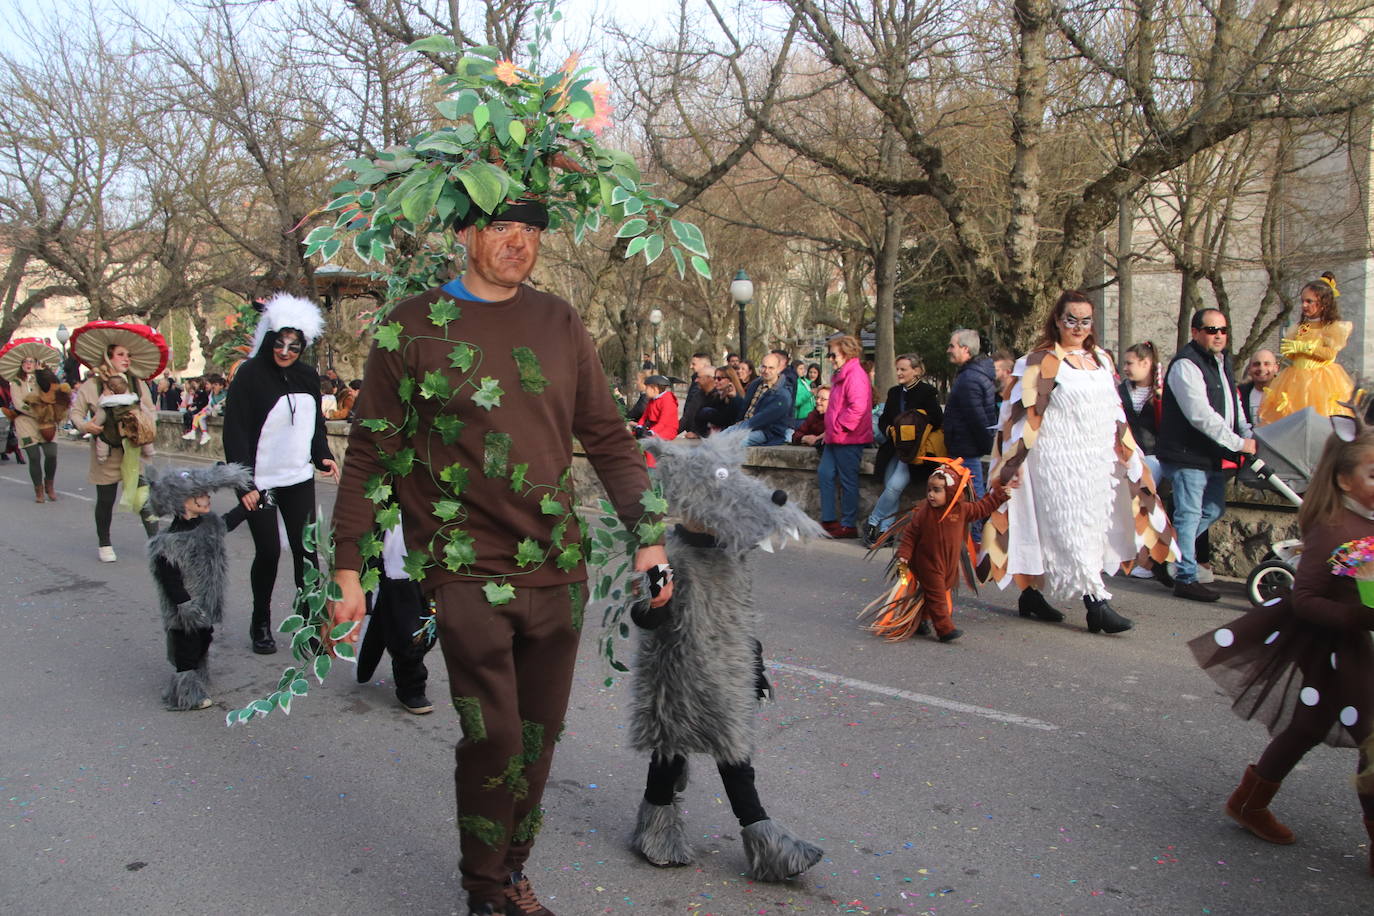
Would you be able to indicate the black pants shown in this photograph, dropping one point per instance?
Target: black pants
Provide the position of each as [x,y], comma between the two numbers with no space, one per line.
[47,468]
[186,649]
[296,503]
[104,510]
[398,612]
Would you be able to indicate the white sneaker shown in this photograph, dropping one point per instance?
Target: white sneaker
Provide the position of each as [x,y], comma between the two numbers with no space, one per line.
[1204,575]
[190,435]
[1140,572]
[106,554]
[205,438]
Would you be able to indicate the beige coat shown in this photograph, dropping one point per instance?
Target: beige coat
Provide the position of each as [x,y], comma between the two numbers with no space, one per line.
[85,402]
[25,429]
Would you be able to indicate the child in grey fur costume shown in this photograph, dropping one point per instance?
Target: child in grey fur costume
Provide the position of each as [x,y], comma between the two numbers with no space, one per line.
[699,669]
[190,568]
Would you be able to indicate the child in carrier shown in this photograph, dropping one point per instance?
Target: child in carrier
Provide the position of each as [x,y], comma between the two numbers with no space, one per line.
[927,559]
[117,412]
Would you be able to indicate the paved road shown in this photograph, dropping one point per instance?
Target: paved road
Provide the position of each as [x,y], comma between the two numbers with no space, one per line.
[1028,769]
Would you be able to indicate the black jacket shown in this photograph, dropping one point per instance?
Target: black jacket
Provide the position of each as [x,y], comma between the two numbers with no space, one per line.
[1180,442]
[1145,424]
[920,396]
[971,409]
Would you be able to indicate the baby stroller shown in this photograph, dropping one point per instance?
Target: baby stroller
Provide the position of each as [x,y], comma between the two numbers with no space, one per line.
[1287,451]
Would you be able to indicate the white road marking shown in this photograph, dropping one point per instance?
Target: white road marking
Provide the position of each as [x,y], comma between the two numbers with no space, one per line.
[924,699]
[63,492]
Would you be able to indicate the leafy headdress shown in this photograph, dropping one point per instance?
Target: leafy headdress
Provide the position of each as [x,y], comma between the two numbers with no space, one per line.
[504,134]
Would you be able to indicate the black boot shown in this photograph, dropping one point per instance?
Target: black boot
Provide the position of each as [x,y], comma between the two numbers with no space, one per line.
[1103,618]
[1033,604]
[260,634]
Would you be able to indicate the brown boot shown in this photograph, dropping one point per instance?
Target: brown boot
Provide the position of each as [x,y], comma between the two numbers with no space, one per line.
[38,493]
[1249,807]
[1369,829]
[51,490]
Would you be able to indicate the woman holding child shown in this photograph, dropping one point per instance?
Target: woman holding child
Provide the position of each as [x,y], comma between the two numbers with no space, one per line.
[35,394]
[120,356]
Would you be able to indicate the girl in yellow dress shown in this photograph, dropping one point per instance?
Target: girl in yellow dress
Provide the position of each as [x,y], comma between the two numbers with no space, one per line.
[1313,378]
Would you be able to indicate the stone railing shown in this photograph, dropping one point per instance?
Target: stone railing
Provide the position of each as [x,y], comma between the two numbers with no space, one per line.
[1253,519]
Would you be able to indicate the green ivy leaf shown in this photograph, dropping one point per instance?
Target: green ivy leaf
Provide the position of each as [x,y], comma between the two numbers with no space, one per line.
[436,386]
[636,246]
[346,650]
[690,237]
[456,476]
[434,44]
[370,578]
[649,532]
[300,687]
[443,311]
[632,228]
[322,665]
[460,357]
[448,427]
[400,463]
[550,506]
[518,483]
[405,389]
[488,396]
[377,489]
[378,425]
[416,562]
[459,552]
[484,182]
[653,502]
[447,510]
[528,552]
[569,558]
[389,517]
[498,595]
[701,267]
[388,336]
[678,260]
[291,624]
[370,547]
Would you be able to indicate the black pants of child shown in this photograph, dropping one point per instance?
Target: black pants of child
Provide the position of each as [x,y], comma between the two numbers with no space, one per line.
[187,651]
[296,504]
[510,673]
[398,613]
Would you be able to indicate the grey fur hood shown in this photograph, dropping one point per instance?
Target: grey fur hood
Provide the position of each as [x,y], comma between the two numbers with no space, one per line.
[171,487]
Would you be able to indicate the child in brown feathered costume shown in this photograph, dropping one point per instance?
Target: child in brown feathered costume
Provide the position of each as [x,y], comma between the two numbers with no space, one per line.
[48,405]
[928,557]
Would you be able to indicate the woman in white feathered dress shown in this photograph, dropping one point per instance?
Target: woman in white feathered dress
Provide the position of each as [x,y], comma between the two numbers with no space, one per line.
[1087,504]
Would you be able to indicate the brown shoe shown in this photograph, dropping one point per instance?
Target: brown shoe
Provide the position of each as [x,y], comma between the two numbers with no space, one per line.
[1194,591]
[38,493]
[1249,807]
[845,531]
[520,899]
[51,491]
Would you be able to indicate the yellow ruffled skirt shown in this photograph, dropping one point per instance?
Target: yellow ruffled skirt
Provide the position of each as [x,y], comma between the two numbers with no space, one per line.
[1321,385]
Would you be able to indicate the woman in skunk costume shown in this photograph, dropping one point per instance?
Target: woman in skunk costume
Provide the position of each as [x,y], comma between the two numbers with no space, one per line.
[699,670]
[190,569]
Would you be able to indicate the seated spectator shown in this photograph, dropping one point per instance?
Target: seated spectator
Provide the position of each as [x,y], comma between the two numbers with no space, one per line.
[193,401]
[723,406]
[328,403]
[768,404]
[344,396]
[214,406]
[812,429]
[660,414]
[698,396]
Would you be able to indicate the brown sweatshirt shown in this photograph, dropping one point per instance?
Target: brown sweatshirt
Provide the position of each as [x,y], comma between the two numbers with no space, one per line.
[496,393]
[930,545]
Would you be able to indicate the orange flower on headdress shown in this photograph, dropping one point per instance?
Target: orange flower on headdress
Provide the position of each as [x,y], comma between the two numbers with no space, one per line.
[506,72]
[601,102]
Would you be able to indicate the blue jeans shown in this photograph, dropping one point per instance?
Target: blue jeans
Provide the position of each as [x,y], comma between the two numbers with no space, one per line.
[978,482]
[1199,500]
[896,476]
[840,466]
[756,437]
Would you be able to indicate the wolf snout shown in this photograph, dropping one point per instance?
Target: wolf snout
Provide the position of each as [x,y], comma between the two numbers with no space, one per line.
[779,498]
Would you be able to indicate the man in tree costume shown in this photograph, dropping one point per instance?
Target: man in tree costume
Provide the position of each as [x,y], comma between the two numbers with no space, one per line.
[507,376]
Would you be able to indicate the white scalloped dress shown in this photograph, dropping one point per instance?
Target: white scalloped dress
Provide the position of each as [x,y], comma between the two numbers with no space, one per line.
[1070,520]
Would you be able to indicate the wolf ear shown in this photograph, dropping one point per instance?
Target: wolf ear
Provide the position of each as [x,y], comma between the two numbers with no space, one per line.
[654,445]
[1360,405]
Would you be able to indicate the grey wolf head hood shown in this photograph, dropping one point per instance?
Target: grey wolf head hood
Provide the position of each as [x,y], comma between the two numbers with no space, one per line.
[705,487]
[170,488]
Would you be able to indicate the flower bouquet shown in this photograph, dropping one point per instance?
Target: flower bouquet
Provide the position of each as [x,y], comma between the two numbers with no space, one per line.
[1356,560]
[502,133]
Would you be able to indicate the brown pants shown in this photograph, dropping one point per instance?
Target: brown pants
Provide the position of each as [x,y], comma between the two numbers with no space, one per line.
[510,673]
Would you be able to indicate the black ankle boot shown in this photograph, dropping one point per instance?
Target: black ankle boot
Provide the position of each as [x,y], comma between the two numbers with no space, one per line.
[1033,604]
[261,636]
[1102,617]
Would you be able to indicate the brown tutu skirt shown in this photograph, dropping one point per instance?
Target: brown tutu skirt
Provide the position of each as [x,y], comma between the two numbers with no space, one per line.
[1272,665]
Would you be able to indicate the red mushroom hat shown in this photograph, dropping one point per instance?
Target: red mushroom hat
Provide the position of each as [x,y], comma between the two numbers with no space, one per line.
[147,348]
[13,354]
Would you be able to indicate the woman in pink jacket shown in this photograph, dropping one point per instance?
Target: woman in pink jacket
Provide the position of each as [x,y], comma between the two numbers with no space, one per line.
[848,430]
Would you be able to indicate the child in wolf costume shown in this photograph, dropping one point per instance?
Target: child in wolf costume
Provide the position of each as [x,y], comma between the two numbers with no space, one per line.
[699,670]
[190,569]
[934,539]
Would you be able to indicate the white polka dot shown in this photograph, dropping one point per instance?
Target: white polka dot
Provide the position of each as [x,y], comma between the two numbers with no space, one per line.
[1349,716]
[1333,661]
[1310,696]
[1272,601]
[1224,637]
[1269,640]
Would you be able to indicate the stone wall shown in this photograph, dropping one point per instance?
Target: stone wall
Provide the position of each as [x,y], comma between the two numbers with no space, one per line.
[1253,520]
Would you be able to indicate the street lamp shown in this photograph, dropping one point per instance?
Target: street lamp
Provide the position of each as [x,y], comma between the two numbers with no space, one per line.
[742,291]
[63,335]
[656,319]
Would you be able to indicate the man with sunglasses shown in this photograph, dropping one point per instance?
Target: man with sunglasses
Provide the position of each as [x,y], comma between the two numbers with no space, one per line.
[1201,434]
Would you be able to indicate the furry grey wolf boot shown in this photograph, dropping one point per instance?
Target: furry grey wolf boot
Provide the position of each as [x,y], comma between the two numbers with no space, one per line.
[774,854]
[660,835]
[187,690]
